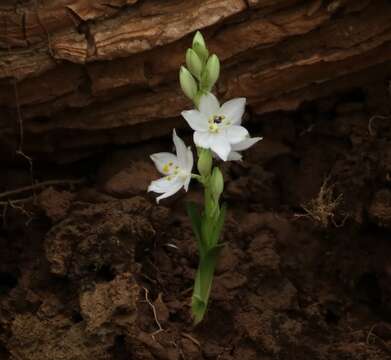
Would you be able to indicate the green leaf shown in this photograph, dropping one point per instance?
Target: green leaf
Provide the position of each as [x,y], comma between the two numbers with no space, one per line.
[203,283]
[196,222]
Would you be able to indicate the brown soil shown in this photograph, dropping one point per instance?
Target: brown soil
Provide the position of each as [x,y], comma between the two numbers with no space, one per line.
[99,271]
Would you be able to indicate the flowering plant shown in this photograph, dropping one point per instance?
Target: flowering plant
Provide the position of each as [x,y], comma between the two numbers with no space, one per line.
[218,133]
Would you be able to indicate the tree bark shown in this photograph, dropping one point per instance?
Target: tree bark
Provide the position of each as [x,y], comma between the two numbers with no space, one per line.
[79,74]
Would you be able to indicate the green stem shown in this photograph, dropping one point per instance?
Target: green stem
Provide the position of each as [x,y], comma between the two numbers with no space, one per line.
[207,228]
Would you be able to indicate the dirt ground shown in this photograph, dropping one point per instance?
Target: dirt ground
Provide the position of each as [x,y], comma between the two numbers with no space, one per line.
[99,271]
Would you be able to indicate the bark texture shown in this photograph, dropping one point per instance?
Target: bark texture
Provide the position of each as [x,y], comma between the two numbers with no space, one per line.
[79,74]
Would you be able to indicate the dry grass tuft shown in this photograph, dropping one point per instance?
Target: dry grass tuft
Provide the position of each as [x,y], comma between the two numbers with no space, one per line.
[324,208]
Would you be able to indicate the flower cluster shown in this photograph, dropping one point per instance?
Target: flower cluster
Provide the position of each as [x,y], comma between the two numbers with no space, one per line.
[216,128]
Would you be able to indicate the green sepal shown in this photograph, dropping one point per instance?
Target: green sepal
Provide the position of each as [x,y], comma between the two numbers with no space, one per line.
[218,226]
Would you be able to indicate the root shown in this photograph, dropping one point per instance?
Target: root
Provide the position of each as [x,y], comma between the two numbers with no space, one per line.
[160,328]
[375,337]
[19,115]
[192,339]
[15,205]
[323,209]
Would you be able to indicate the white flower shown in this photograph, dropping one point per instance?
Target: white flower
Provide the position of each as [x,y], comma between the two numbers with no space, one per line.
[176,168]
[234,155]
[217,128]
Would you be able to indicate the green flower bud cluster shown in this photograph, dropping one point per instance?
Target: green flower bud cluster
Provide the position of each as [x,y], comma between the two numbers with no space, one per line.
[201,71]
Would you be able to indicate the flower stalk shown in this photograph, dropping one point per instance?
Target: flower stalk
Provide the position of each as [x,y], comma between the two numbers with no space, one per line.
[207,227]
[218,133]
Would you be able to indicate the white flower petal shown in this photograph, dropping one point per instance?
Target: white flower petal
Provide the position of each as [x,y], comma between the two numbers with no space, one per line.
[181,150]
[209,105]
[234,110]
[162,159]
[234,156]
[246,143]
[189,160]
[202,139]
[220,145]
[196,120]
[171,192]
[187,182]
[236,134]
[163,184]
[167,186]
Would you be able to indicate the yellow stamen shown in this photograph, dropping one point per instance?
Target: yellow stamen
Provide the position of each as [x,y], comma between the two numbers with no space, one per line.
[213,128]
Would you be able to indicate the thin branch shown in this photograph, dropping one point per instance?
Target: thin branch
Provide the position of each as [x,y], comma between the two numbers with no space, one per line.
[18,201]
[39,186]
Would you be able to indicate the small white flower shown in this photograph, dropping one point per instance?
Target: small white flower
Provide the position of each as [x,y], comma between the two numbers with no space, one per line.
[217,128]
[234,155]
[176,168]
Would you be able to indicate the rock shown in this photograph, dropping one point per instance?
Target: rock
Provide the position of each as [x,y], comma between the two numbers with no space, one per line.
[110,305]
[57,338]
[107,75]
[55,203]
[98,237]
[131,181]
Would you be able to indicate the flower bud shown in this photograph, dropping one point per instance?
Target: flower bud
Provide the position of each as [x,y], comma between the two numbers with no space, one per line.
[212,71]
[194,63]
[216,183]
[201,51]
[188,84]
[199,46]
[205,161]
[199,39]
